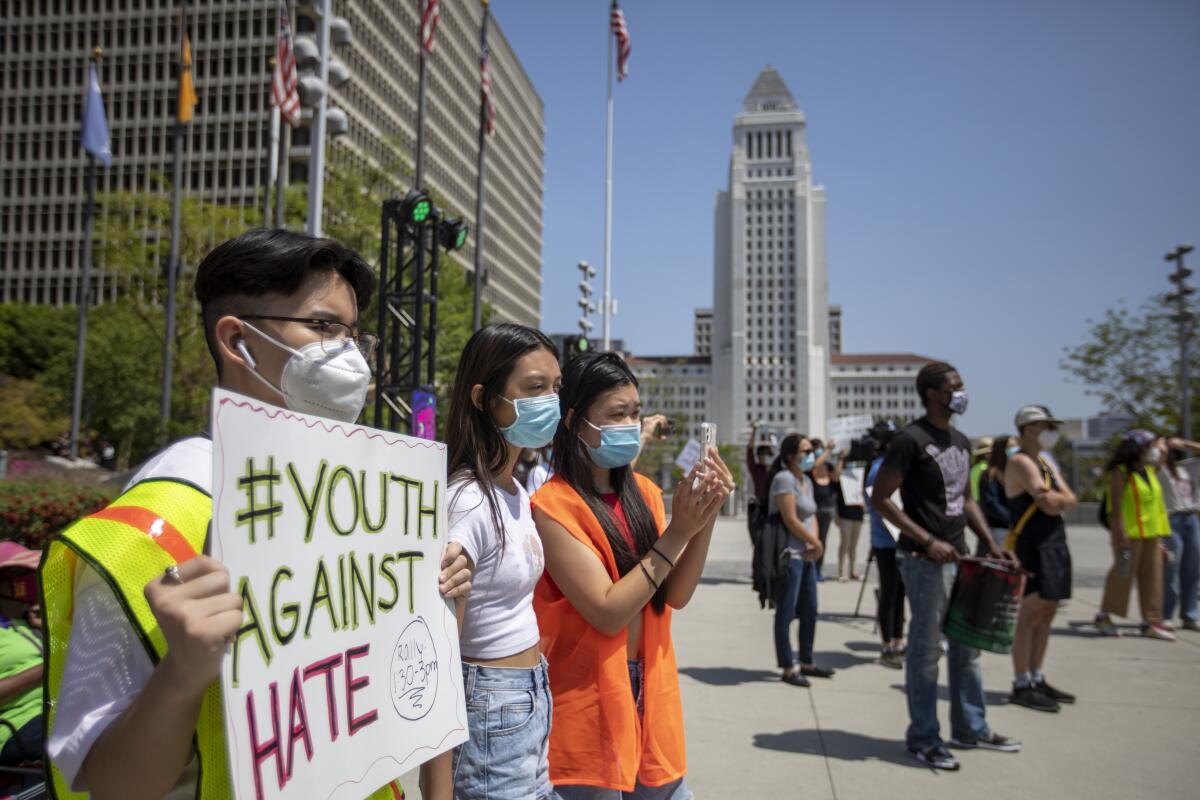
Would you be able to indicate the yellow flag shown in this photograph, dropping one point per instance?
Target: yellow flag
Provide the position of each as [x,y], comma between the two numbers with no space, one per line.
[187,89]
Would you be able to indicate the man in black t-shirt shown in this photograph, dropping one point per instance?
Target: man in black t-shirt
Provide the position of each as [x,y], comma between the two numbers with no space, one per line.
[929,462]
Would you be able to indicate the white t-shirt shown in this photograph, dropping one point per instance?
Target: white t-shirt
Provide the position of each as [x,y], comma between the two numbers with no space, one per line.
[499,619]
[107,664]
[537,476]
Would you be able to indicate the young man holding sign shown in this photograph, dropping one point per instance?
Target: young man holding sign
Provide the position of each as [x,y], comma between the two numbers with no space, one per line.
[138,618]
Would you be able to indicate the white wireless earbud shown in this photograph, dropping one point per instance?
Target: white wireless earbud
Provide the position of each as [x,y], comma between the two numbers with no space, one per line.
[245,351]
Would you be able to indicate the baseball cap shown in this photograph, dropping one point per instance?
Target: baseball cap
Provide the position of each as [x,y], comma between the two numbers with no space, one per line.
[983,446]
[1142,437]
[1030,414]
[14,558]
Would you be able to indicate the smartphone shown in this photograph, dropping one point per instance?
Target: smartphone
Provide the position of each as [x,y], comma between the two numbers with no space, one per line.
[665,428]
[708,438]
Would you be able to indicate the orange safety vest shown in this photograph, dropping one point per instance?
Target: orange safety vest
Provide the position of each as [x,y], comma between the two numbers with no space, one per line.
[596,737]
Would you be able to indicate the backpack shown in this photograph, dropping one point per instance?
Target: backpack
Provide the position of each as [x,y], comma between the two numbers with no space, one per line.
[756,518]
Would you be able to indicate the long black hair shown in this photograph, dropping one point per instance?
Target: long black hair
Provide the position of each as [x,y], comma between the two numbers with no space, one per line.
[477,448]
[787,451]
[1128,454]
[998,458]
[585,379]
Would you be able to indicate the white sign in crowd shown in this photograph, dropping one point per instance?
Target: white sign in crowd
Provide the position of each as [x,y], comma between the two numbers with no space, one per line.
[346,671]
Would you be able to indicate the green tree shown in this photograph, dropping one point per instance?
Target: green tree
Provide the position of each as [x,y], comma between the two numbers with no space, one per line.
[31,335]
[24,421]
[1130,360]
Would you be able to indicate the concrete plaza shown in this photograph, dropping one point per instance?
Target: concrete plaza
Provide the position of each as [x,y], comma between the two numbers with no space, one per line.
[1135,732]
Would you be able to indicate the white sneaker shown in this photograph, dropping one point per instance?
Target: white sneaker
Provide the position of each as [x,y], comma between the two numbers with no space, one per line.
[1158,632]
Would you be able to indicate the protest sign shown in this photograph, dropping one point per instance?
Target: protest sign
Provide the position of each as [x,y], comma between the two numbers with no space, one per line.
[844,429]
[689,455]
[892,530]
[346,671]
[851,481]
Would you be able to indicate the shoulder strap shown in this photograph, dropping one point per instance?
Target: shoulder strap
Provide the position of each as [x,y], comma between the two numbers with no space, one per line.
[1014,533]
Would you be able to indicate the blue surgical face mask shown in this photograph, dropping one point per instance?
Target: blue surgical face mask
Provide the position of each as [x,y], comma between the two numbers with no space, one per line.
[820,451]
[1011,450]
[619,445]
[537,419]
[807,462]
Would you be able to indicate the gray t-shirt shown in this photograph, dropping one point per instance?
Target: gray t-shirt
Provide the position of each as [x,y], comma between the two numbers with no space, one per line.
[801,489]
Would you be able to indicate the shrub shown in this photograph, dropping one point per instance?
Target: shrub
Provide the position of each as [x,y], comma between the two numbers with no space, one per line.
[31,512]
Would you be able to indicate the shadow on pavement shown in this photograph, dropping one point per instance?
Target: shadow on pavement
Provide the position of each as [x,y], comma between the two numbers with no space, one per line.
[839,659]
[719,580]
[842,745]
[864,647]
[989,697]
[728,676]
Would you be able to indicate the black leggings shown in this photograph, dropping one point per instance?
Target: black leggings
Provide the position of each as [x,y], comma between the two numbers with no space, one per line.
[25,744]
[891,594]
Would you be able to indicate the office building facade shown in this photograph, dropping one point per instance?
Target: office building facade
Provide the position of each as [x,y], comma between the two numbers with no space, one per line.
[44,47]
[770,337]
[678,386]
[702,331]
[883,385]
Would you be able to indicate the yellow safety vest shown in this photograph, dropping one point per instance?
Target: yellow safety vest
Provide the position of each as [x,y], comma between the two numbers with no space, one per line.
[153,525]
[1143,509]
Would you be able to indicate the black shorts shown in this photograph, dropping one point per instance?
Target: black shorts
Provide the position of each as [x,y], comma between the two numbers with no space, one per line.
[1050,563]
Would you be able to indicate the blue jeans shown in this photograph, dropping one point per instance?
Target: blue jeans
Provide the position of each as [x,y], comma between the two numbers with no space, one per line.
[797,598]
[1181,576]
[676,790]
[928,586]
[508,717]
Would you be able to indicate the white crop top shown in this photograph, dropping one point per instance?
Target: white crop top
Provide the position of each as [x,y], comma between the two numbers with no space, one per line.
[499,619]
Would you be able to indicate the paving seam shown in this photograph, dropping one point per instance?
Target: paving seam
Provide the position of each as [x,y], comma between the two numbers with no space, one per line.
[821,738]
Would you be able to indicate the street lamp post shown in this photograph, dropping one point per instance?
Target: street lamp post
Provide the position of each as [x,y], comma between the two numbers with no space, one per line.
[1183,319]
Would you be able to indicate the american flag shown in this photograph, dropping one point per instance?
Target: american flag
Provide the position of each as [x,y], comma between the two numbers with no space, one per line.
[429,23]
[284,91]
[485,86]
[621,31]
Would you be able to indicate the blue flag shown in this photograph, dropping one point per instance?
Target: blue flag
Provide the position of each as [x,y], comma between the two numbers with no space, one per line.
[94,136]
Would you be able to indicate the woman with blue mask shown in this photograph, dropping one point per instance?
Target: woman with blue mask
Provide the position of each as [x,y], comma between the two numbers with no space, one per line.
[793,504]
[503,402]
[615,571]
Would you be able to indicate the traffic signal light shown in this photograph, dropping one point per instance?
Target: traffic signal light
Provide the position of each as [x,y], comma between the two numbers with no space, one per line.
[573,347]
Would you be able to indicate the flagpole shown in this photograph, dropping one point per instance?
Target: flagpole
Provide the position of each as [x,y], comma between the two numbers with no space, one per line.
[281,177]
[419,177]
[477,311]
[420,228]
[608,157]
[316,158]
[173,259]
[83,292]
[272,162]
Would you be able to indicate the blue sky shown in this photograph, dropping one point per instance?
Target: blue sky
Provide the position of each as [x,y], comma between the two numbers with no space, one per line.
[997,173]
